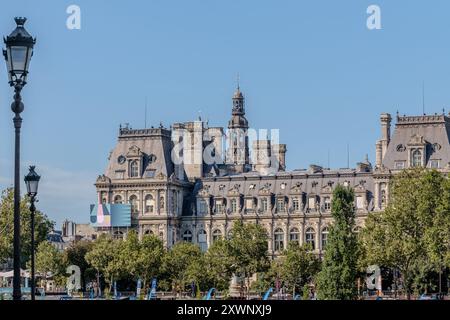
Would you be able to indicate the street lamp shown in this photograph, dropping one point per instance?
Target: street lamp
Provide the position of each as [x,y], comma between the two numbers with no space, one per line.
[32,183]
[19,49]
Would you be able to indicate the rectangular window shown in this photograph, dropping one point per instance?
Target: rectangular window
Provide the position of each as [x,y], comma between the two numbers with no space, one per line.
[312,203]
[280,205]
[219,206]
[201,205]
[327,204]
[399,165]
[296,204]
[234,205]
[249,204]
[434,164]
[264,204]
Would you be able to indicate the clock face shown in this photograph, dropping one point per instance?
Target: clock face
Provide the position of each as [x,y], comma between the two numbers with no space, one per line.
[121,159]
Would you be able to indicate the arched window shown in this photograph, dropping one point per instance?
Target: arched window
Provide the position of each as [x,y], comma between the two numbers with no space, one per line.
[149,204]
[294,235]
[310,235]
[278,237]
[134,169]
[187,236]
[324,236]
[216,235]
[118,199]
[134,204]
[148,232]
[417,158]
[201,240]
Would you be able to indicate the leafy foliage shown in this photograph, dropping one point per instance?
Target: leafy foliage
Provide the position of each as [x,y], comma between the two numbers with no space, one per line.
[43,226]
[413,234]
[337,279]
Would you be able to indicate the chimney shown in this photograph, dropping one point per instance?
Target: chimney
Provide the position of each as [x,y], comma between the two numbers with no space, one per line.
[280,152]
[385,120]
[261,155]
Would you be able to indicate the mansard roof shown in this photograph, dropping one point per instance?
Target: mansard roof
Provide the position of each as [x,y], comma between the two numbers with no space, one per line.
[151,146]
[252,184]
[430,131]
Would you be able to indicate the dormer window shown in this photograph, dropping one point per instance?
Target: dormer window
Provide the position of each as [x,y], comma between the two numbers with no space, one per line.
[416,158]
[134,169]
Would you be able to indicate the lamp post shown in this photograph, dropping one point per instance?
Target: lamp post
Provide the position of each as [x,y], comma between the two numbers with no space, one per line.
[32,183]
[19,49]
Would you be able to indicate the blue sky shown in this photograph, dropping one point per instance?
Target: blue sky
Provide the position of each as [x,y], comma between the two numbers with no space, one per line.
[310,68]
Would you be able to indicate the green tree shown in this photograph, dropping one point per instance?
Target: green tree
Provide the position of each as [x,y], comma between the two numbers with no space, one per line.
[177,264]
[48,260]
[43,227]
[412,234]
[337,279]
[299,266]
[218,265]
[142,259]
[248,250]
[75,254]
[105,258]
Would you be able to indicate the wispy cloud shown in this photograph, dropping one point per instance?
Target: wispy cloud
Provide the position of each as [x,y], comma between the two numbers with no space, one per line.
[62,193]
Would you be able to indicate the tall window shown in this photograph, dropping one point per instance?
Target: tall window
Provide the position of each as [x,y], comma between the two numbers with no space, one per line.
[417,158]
[219,206]
[134,204]
[187,236]
[278,240]
[327,203]
[118,199]
[201,240]
[310,238]
[202,207]
[296,204]
[325,232]
[234,208]
[175,201]
[294,235]
[280,205]
[149,204]
[217,235]
[134,169]
[264,204]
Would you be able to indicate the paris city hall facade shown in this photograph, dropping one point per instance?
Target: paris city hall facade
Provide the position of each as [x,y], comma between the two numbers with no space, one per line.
[192,182]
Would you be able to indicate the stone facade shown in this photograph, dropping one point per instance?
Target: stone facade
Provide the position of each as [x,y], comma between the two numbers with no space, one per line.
[197,200]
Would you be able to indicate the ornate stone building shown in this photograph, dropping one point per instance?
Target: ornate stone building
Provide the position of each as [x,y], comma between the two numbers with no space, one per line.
[192,182]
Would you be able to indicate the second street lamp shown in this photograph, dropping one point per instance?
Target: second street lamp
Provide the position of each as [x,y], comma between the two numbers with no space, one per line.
[32,183]
[18,53]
